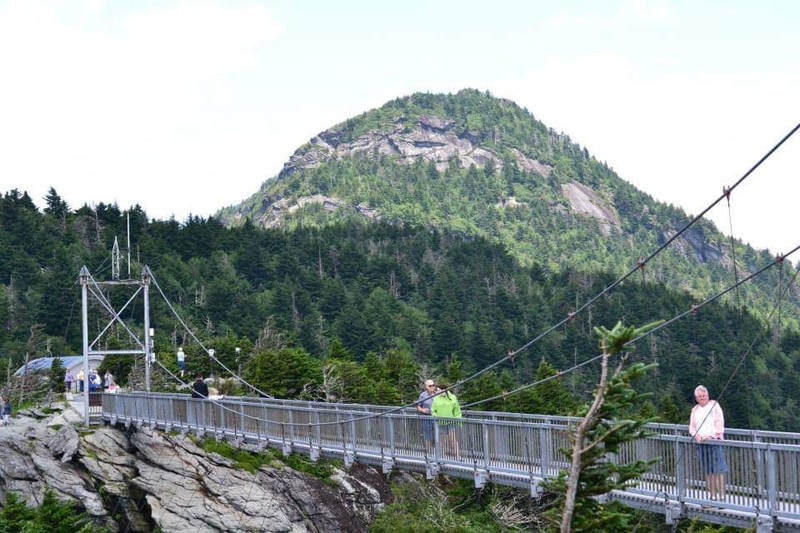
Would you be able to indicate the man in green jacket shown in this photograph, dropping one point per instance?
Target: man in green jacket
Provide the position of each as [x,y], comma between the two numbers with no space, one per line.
[446,407]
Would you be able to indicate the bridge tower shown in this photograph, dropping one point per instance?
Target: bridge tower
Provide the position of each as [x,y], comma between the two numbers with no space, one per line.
[94,290]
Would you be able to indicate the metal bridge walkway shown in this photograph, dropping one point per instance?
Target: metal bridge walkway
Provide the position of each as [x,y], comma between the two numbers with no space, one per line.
[763,481]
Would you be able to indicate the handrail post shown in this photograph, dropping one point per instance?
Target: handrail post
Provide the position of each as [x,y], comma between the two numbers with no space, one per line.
[353,435]
[317,430]
[680,475]
[486,445]
[242,428]
[223,424]
[292,429]
[544,447]
[392,446]
[772,479]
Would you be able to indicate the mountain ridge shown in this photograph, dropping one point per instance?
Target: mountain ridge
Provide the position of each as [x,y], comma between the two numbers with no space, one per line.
[474,164]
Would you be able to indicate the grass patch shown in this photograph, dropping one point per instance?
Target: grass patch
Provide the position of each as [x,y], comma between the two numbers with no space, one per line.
[242,459]
[251,461]
[322,469]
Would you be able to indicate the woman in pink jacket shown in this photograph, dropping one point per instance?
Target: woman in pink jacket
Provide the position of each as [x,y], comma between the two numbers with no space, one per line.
[707,427]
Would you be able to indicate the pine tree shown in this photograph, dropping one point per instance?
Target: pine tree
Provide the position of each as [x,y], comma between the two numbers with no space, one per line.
[603,429]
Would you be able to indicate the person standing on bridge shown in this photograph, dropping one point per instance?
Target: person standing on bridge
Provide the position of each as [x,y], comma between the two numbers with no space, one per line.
[707,427]
[445,406]
[199,387]
[424,404]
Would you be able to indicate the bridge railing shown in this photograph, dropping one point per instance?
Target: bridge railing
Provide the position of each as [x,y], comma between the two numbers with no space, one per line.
[762,477]
[734,434]
[747,435]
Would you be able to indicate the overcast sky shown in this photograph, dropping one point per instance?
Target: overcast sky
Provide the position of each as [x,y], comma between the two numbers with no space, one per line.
[186,107]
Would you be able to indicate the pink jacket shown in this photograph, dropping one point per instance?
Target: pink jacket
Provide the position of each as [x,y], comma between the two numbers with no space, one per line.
[717,418]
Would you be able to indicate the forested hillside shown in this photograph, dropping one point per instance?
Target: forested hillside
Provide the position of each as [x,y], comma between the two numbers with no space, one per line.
[479,166]
[376,306]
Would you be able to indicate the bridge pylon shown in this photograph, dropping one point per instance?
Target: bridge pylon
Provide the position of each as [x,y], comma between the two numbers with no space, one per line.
[93,291]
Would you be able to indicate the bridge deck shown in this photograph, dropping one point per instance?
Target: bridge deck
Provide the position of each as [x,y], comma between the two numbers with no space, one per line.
[762,483]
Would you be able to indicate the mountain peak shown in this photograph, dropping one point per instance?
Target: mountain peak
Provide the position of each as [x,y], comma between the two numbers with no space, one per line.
[476,165]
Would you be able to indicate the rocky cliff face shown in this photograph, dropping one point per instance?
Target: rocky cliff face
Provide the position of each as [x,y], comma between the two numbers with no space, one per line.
[142,480]
[430,139]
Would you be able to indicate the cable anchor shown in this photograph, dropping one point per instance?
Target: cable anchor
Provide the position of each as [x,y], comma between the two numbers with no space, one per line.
[726,191]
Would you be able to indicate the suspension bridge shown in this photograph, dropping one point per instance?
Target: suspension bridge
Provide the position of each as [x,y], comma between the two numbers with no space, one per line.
[519,450]
[762,485]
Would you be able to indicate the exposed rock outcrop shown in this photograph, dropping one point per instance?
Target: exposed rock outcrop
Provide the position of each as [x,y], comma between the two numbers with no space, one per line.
[273,213]
[144,479]
[694,245]
[431,138]
[531,165]
[585,201]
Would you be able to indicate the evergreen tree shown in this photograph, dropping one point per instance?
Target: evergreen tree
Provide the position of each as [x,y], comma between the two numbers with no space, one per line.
[56,375]
[56,206]
[603,429]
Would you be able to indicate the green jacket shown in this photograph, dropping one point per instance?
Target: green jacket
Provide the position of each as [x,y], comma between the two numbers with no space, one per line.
[446,406]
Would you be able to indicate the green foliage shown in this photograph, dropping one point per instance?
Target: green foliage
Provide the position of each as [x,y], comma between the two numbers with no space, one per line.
[285,373]
[56,375]
[550,397]
[51,516]
[322,468]
[454,509]
[252,461]
[469,200]
[608,423]
[243,459]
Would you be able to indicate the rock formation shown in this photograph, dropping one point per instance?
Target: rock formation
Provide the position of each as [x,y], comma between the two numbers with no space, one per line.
[141,479]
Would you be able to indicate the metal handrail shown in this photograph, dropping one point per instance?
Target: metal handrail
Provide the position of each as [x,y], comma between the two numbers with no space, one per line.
[505,448]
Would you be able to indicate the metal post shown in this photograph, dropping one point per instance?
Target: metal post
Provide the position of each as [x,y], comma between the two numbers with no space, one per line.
[772,480]
[485,445]
[680,468]
[545,434]
[84,279]
[147,348]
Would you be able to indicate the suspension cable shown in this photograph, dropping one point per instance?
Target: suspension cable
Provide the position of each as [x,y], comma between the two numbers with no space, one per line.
[397,409]
[727,193]
[191,333]
[655,329]
[640,263]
